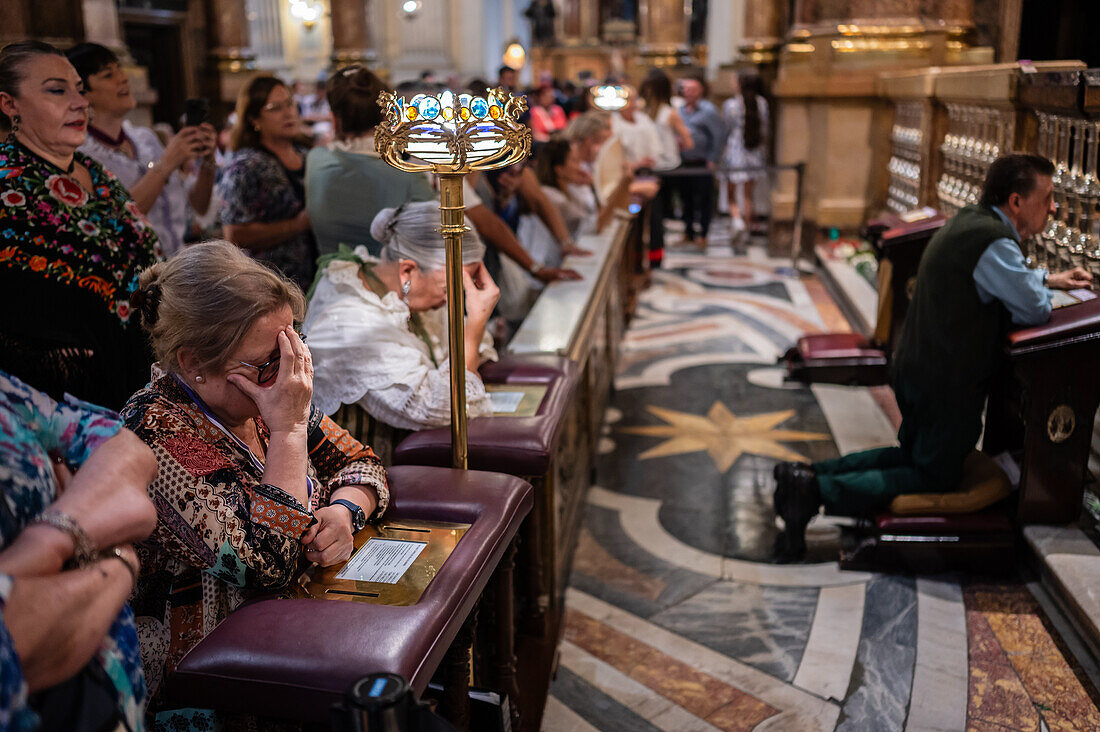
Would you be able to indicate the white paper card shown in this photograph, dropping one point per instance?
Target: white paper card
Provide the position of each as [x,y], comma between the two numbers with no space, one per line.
[382,560]
[1062,298]
[505,402]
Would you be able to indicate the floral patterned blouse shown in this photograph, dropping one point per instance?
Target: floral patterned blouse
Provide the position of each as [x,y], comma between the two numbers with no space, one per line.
[31,426]
[69,261]
[256,188]
[222,533]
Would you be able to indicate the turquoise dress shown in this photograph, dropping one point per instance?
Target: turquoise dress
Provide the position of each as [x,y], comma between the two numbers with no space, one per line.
[31,427]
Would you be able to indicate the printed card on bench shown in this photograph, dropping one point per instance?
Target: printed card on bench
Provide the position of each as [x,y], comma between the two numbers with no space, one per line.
[505,402]
[382,560]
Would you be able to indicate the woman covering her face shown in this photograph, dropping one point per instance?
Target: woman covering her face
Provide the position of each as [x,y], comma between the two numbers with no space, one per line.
[378,331]
[252,478]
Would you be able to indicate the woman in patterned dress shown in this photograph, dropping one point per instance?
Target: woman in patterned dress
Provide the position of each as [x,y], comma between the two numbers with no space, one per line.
[68,647]
[72,241]
[263,187]
[252,479]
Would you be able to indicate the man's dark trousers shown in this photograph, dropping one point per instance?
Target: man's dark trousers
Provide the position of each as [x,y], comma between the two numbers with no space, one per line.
[935,436]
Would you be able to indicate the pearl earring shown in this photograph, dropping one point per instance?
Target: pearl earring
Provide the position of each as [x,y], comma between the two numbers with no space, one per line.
[199,378]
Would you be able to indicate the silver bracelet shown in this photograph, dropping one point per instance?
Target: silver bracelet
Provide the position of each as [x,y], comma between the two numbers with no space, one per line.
[84,551]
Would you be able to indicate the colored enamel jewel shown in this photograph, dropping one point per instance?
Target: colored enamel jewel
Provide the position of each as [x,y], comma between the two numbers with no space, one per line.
[429,107]
[480,108]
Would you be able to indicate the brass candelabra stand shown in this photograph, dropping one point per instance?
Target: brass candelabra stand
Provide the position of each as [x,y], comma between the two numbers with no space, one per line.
[451,135]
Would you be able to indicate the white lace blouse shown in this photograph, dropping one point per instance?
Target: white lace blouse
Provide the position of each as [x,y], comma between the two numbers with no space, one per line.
[365,352]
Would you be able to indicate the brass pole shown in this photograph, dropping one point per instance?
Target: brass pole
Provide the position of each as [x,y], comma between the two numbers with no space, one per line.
[452,213]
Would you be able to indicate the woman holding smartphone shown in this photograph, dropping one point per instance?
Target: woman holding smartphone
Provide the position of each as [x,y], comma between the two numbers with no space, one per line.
[134,154]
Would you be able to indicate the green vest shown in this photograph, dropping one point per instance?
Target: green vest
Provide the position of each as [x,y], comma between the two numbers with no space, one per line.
[951,341]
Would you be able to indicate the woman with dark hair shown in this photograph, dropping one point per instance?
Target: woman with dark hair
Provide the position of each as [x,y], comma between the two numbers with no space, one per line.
[347,184]
[746,116]
[72,241]
[149,170]
[263,188]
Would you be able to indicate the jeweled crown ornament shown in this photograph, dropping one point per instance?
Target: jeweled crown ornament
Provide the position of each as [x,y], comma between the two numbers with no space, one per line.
[452,133]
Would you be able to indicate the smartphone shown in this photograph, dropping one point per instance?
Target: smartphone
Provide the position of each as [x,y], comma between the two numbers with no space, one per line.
[195,111]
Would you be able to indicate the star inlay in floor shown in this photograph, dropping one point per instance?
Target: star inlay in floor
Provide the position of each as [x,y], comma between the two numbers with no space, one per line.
[723,435]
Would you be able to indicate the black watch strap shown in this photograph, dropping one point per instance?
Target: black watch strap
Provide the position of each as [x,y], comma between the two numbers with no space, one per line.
[358,516]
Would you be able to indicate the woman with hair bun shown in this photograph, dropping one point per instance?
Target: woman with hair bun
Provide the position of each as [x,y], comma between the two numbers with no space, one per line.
[347,183]
[252,478]
[378,330]
[72,241]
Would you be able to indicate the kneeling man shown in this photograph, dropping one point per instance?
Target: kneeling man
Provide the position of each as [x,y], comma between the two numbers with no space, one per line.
[971,283]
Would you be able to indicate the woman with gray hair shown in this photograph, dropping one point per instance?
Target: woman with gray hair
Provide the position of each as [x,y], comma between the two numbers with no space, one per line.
[377,329]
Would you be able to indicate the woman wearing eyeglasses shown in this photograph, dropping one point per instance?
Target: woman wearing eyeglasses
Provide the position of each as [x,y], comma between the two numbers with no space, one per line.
[251,476]
[263,187]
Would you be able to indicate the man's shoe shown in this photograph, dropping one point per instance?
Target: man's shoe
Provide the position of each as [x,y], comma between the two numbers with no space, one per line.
[797,500]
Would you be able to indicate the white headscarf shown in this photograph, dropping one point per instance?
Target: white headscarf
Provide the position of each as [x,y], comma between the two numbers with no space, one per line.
[411,231]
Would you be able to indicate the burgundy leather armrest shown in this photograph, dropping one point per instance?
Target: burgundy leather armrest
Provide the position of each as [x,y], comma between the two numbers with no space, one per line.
[513,445]
[834,345]
[541,369]
[294,658]
[1064,322]
[990,521]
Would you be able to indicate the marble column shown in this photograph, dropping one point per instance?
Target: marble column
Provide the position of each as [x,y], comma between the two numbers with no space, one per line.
[228,29]
[765,26]
[664,33]
[350,33]
[231,60]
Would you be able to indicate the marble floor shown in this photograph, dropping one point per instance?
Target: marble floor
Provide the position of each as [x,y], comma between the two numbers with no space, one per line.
[677,619]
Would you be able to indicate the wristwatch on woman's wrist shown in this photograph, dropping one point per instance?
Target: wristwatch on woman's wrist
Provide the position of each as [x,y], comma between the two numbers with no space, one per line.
[358,516]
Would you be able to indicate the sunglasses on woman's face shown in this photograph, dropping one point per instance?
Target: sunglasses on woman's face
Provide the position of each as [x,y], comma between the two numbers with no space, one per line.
[268,370]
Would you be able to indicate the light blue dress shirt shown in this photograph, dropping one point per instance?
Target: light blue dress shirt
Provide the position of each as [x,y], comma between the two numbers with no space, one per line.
[708,132]
[1002,274]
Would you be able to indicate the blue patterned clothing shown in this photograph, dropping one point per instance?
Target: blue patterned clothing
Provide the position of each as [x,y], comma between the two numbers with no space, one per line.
[256,188]
[32,426]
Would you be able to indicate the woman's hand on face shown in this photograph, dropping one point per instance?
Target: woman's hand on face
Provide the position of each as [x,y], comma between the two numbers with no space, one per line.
[283,404]
[481,293]
[330,540]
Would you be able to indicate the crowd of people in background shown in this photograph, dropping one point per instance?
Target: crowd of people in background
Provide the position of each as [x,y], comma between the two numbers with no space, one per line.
[174,278]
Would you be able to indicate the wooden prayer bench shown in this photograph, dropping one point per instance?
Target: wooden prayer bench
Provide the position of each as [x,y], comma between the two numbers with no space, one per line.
[293,659]
[854,359]
[969,529]
[544,450]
